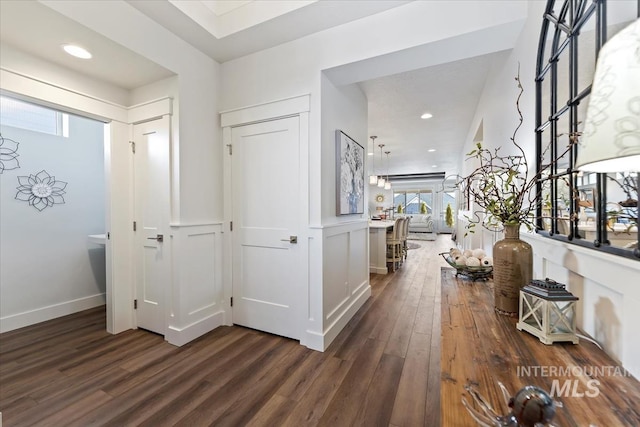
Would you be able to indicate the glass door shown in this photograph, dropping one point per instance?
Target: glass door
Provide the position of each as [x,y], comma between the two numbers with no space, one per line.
[448,214]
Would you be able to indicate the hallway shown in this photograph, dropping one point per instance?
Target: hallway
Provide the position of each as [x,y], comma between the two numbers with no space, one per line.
[382,369]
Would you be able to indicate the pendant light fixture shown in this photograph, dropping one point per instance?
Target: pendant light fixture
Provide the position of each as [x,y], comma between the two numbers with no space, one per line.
[387,184]
[381,180]
[373,178]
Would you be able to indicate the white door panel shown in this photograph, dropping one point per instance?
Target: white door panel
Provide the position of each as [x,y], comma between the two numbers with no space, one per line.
[151,166]
[265,171]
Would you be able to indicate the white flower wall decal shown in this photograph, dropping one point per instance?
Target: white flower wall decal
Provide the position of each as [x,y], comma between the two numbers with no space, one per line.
[41,190]
[8,154]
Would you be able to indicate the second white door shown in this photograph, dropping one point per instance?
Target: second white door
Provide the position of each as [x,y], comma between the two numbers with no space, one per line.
[266,256]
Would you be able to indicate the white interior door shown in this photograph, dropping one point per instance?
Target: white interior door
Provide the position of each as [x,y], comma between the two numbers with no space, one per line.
[152,204]
[266,256]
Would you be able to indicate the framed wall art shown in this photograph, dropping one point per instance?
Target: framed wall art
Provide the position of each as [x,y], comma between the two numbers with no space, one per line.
[349,175]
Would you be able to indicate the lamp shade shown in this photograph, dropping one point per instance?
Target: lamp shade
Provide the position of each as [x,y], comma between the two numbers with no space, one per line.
[611,138]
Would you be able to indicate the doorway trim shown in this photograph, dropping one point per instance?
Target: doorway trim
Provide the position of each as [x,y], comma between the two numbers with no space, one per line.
[118,170]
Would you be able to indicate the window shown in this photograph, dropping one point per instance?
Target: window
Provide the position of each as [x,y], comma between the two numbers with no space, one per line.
[25,115]
[412,202]
[592,210]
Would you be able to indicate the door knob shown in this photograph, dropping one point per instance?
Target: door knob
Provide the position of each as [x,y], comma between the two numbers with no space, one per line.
[159,238]
[291,239]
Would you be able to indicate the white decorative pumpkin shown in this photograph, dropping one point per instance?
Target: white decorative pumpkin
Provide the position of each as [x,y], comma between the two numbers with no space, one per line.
[460,260]
[473,262]
[454,251]
[479,253]
[467,253]
[486,261]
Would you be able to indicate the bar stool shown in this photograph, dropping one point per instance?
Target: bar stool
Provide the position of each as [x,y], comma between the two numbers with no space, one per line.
[394,244]
[404,236]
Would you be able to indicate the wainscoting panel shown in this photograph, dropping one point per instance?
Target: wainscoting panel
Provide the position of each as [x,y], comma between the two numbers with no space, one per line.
[196,295]
[345,275]
[358,276]
[336,273]
[312,297]
[607,286]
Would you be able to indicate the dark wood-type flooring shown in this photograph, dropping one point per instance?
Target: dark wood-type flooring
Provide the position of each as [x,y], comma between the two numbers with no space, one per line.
[383,369]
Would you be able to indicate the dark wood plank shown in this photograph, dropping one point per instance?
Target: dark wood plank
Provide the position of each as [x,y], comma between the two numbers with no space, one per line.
[58,399]
[378,403]
[314,402]
[146,399]
[409,407]
[71,372]
[273,413]
[345,405]
[301,378]
[262,389]
[215,405]
[432,405]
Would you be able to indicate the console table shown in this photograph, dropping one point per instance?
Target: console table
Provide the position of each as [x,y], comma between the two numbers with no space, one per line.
[481,347]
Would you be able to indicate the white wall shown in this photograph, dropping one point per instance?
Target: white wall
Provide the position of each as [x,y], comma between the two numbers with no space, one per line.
[197,141]
[48,266]
[345,239]
[287,70]
[607,306]
[295,68]
[343,108]
[196,165]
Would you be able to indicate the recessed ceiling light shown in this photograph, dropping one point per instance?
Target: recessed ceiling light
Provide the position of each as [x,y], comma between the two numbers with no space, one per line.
[426,116]
[77,51]
[434,166]
[431,150]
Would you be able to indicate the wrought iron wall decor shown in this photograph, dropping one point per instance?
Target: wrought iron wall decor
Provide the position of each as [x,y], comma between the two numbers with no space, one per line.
[567,53]
[41,190]
[8,154]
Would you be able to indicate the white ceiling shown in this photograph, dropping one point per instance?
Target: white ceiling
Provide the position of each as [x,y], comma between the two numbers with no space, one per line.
[38,30]
[449,91]
[222,18]
[264,24]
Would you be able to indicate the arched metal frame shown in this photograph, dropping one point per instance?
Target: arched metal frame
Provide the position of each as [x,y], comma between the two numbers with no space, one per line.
[568,22]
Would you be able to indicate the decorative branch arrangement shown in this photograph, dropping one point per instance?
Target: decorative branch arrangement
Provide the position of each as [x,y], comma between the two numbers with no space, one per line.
[629,185]
[501,185]
[8,154]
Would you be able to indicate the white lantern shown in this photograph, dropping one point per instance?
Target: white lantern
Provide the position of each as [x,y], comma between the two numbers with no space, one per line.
[548,311]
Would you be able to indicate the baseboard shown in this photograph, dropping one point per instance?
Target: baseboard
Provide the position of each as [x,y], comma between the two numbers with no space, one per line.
[181,336]
[27,318]
[321,342]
